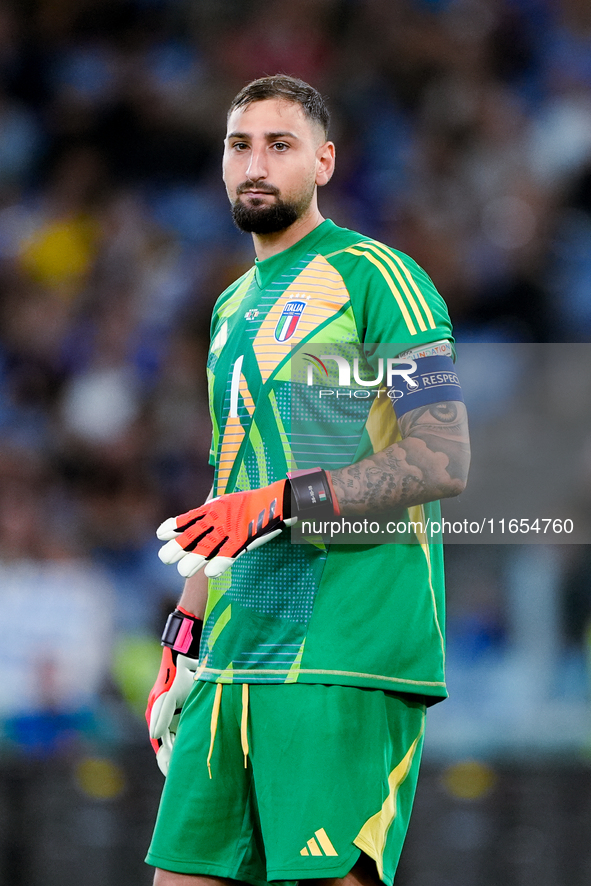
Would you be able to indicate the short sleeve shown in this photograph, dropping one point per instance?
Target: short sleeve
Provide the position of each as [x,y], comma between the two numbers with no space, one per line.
[394,301]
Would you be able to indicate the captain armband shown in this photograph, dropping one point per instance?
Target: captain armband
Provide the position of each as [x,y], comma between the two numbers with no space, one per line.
[433,381]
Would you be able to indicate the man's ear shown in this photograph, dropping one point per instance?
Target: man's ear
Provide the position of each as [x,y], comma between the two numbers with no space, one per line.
[325,160]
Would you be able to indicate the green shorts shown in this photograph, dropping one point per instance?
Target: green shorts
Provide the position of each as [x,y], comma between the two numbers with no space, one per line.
[303,777]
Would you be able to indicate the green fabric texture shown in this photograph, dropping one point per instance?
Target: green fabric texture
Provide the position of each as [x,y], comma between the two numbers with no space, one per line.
[298,809]
[357,615]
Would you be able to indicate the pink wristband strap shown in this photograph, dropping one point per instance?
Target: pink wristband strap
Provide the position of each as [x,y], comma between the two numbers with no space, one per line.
[182,633]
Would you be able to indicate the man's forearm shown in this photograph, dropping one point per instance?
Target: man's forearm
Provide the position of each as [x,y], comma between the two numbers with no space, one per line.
[194,596]
[430,463]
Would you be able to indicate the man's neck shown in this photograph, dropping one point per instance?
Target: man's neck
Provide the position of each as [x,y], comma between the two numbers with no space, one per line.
[266,245]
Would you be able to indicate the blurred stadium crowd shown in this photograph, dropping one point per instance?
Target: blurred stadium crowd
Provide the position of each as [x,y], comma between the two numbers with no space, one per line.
[463,131]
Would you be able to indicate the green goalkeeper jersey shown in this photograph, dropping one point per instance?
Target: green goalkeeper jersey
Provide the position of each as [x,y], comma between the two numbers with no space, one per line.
[369,615]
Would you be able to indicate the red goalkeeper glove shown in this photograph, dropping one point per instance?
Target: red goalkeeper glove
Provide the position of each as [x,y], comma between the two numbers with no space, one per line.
[180,658]
[224,528]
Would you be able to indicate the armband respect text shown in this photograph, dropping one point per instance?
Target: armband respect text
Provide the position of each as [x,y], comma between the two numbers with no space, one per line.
[433,381]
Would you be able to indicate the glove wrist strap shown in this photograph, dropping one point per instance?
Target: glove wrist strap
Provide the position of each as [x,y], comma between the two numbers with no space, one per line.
[182,633]
[312,493]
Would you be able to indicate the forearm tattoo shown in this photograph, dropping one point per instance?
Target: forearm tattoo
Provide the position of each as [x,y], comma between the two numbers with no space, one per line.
[429,463]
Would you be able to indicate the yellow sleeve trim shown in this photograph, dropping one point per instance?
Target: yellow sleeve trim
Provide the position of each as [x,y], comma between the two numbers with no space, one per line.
[409,277]
[394,290]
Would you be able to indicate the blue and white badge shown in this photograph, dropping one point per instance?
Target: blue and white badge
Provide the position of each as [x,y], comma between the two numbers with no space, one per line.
[289,319]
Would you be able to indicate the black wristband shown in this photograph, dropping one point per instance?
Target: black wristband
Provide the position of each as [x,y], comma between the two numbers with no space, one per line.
[311,494]
[182,633]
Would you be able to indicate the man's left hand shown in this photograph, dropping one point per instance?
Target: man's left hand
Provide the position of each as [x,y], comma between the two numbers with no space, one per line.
[226,527]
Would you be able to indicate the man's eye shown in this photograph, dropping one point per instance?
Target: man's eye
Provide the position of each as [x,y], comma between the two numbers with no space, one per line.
[239,146]
[280,146]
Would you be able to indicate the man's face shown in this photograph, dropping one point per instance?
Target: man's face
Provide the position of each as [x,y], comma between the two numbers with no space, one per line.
[272,164]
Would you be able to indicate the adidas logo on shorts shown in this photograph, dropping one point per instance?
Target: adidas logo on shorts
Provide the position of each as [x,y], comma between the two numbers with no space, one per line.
[319,844]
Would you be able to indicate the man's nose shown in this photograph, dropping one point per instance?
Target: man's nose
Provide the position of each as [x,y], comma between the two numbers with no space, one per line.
[257,167]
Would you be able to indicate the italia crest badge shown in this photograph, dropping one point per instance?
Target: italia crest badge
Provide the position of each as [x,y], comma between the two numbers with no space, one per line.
[288,322]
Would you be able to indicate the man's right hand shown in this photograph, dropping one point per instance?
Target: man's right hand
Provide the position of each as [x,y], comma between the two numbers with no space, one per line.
[175,678]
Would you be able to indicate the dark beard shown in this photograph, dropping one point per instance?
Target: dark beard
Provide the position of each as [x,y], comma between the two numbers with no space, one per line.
[265,219]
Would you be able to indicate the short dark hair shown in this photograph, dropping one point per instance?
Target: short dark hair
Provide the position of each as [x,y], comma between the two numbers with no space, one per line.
[291,89]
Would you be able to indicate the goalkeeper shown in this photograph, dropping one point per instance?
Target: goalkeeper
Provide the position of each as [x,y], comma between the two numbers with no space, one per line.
[304,671]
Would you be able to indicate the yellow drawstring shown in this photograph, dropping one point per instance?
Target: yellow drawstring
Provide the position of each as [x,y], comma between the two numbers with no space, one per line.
[215,715]
[244,724]
[215,712]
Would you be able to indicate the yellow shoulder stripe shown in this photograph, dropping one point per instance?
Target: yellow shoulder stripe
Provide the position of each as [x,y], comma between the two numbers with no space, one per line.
[402,284]
[389,252]
[394,289]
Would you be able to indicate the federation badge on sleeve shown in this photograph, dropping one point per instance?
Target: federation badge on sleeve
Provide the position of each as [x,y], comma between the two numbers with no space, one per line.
[289,319]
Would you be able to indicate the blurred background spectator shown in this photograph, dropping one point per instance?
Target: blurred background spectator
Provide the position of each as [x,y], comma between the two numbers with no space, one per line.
[463,130]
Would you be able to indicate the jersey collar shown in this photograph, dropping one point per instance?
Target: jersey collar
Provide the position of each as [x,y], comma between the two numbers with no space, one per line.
[270,268]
